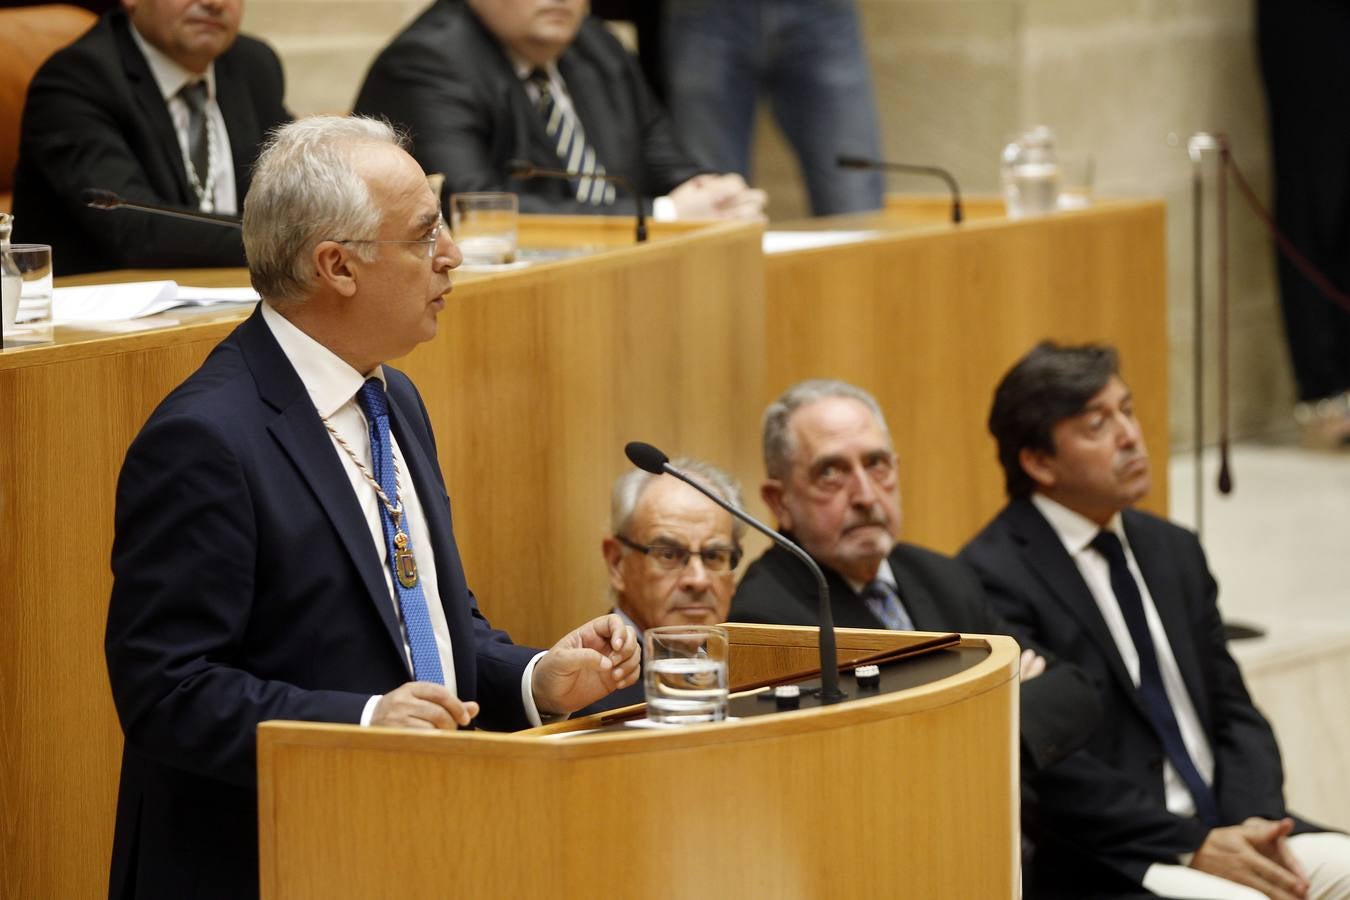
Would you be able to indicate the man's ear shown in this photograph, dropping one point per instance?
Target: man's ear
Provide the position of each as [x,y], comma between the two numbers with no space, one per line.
[771,491]
[612,550]
[1039,466]
[333,266]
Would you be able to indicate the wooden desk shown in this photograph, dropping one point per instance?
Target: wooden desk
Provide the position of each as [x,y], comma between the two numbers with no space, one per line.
[907,794]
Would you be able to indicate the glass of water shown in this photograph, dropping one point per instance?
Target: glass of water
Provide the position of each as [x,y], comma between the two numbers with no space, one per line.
[26,295]
[484,226]
[685,673]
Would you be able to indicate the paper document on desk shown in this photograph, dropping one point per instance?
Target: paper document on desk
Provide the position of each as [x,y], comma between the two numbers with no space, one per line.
[788,241]
[134,300]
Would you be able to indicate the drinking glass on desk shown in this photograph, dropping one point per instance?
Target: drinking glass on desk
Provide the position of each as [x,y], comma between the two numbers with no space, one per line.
[685,673]
[27,295]
[484,226]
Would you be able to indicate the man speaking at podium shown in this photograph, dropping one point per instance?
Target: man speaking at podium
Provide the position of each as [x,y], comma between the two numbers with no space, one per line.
[165,103]
[283,540]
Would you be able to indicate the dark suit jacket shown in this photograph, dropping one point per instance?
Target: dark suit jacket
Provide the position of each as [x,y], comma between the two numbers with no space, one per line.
[447,80]
[1058,710]
[247,588]
[94,118]
[1104,807]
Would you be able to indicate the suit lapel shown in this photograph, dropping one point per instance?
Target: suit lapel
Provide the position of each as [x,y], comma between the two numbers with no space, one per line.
[918,602]
[1046,556]
[241,122]
[449,571]
[1168,600]
[154,112]
[301,435]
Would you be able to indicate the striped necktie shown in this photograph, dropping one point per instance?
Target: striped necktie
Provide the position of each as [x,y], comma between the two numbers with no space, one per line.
[569,140]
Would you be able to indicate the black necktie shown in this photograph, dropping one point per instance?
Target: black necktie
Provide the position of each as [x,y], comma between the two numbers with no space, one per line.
[569,140]
[199,138]
[1151,689]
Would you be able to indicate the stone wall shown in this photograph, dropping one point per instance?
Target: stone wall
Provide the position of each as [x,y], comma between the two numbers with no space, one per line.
[1124,81]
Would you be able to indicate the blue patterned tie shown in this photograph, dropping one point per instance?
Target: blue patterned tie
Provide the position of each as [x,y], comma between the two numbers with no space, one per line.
[412,604]
[1151,689]
[882,599]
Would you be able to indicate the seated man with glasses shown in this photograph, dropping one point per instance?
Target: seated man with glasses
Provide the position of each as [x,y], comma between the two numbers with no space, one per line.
[672,554]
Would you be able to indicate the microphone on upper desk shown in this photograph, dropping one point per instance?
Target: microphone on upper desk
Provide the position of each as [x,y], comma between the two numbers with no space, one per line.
[858,162]
[649,459]
[524,170]
[97,198]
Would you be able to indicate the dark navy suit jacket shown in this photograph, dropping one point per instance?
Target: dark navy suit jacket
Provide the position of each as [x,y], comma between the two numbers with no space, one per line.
[247,588]
[1104,808]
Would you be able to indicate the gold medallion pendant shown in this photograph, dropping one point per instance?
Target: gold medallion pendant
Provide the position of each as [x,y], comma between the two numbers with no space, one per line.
[404,563]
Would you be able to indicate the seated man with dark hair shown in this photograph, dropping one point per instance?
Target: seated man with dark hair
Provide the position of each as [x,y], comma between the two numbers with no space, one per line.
[1180,789]
[165,104]
[480,83]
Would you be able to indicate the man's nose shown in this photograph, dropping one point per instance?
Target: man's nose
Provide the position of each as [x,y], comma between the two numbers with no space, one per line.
[695,575]
[447,252]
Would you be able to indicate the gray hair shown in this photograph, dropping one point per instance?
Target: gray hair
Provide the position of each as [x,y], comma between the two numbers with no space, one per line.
[629,486]
[306,189]
[778,449]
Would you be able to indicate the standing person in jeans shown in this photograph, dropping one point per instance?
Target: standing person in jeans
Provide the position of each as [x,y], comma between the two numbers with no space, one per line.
[807,56]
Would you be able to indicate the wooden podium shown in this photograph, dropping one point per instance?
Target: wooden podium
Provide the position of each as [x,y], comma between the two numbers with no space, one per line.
[910,793]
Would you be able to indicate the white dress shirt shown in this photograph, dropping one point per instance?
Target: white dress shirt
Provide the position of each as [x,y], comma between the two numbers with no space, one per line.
[332,386]
[1076,532]
[170,77]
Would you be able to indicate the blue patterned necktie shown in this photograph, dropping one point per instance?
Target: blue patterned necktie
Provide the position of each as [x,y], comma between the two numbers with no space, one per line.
[569,140]
[1151,689]
[882,599]
[412,604]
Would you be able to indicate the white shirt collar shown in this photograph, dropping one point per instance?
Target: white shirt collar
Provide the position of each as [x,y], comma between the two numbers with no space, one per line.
[169,75]
[331,383]
[524,68]
[1075,530]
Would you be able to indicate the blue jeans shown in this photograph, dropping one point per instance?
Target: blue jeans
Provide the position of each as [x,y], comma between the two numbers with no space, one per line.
[807,55]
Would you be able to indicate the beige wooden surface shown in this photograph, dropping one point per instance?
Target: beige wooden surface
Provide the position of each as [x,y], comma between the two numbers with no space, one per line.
[908,794]
[928,317]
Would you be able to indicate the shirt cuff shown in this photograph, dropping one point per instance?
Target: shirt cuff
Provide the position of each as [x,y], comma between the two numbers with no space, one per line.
[663,210]
[527,696]
[369,712]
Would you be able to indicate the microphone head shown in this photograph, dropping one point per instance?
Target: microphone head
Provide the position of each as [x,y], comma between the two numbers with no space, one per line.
[100,199]
[519,168]
[853,162]
[646,457]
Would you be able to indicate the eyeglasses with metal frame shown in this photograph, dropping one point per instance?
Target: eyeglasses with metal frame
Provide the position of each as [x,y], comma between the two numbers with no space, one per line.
[430,241]
[673,556]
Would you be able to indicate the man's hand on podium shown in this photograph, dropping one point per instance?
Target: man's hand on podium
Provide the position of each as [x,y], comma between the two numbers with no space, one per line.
[588,663]
[422,704]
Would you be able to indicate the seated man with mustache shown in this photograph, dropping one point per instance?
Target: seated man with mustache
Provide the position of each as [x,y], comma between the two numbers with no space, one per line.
[832,486]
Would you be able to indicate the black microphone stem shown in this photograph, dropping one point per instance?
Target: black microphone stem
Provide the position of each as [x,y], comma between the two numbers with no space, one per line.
[856,162]
[524,170]
[829,656]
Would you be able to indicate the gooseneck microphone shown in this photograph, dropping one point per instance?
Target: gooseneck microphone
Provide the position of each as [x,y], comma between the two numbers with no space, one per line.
[858,162]
[524,170]
[97,198]
[649,459]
